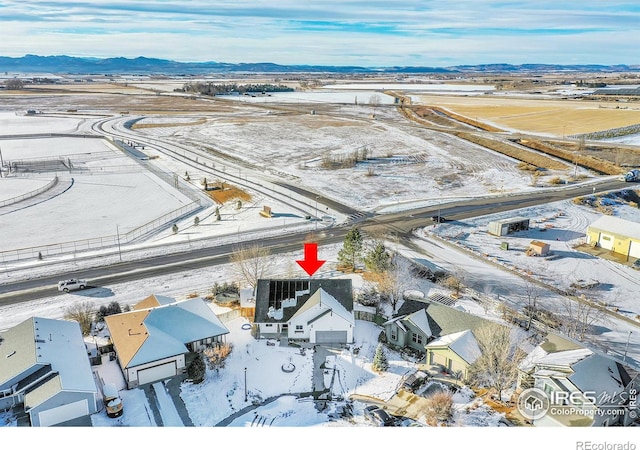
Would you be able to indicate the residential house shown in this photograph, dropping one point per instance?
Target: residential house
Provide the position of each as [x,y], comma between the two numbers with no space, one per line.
[153,340]
[306,310]
[584,386]
[44,367]
[442,333]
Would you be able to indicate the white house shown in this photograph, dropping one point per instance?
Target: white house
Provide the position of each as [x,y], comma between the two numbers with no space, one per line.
[44,366]
[152,341]
[314,311]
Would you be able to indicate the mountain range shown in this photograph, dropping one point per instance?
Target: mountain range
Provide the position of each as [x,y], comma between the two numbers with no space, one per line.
[62,64]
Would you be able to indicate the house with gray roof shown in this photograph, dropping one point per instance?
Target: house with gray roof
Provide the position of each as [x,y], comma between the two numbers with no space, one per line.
[306,310]
[419,322]
[152,341]
[44,367]
[584,387]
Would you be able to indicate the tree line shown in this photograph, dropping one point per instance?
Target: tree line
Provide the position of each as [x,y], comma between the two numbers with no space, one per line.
[227,88]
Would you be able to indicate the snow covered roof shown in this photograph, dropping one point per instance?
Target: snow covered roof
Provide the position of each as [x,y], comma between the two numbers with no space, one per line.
[463,343]
[38,342]
[152,301]
[323,302]
[600,374]
[618,226]
[272,295]
[163,331]
[421,321]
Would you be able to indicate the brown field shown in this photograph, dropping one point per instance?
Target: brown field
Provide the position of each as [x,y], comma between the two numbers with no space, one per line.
[168,124]
[228,192]
[553,117]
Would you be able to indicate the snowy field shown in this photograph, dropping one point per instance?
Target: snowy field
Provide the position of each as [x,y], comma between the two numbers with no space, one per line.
[405,164]
[104,193]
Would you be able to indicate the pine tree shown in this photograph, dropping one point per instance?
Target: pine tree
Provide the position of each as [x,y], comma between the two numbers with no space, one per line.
[378,259]
[217,213]
[351,252]
[174,228]
[196,221]
[380,361]
[197,369]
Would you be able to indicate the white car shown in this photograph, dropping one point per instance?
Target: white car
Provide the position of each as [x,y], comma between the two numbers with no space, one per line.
[71,285]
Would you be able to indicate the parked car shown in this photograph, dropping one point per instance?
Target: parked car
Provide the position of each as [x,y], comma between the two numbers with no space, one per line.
[378,416]
[72,284]
[406,422]
[414,381]
[112,400]
[438,219]
[636,264]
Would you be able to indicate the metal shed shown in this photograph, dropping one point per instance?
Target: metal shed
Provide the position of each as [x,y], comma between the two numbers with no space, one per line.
[505,226]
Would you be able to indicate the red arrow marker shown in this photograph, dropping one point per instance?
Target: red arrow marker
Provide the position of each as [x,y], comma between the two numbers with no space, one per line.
[310,263]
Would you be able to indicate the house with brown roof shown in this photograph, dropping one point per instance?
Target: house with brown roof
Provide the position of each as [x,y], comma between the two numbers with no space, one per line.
[152,341]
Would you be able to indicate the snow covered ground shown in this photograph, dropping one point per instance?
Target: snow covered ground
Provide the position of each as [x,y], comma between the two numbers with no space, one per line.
[395,184]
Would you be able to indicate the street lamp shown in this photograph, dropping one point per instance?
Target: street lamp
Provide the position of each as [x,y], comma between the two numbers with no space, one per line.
[317,212]
[245,384]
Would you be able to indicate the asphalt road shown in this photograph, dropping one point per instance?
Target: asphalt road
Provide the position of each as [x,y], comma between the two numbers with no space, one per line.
[399,223]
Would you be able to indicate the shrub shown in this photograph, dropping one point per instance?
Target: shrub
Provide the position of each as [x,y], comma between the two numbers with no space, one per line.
[217,354]
[439,407]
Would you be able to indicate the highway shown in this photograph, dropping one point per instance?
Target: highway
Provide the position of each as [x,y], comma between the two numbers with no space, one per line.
[401,224]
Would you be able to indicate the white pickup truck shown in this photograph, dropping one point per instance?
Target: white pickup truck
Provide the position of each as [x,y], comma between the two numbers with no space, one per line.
[72,284]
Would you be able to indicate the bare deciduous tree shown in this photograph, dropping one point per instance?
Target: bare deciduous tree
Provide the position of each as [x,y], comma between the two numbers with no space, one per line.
[497,366]
[14,84]
[580,316]
[531,295]
[454,281]
[393,281]
[251,263]
[83,313]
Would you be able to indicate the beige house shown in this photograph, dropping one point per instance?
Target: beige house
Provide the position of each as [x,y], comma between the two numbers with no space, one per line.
[455,352]
[538,248]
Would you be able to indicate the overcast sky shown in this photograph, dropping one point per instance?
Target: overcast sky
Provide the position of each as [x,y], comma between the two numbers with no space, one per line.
[328,32]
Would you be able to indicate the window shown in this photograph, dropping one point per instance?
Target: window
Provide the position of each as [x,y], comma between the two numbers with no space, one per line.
[268,324]
[298,327]
[393,335]
[417,338]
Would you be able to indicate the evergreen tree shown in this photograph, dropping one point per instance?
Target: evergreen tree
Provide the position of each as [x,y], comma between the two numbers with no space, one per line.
[351,252]
[218,213]
[197,369]
[378,259]
[196,221]
[174,228]
[380,361]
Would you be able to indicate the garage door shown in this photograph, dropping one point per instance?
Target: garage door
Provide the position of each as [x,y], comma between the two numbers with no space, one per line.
[156,373]
[331,337]
[606,241]
[634,250]
[63,413]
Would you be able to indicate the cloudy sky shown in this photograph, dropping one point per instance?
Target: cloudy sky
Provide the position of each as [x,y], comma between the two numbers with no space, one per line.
[329,32]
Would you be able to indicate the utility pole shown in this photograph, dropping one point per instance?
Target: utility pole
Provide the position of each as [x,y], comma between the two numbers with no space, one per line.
[1,163]
[626,347]
[119,250]
[245,384]
[316,221]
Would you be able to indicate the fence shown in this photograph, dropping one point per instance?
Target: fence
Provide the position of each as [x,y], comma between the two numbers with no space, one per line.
[19,198]
[97,243]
